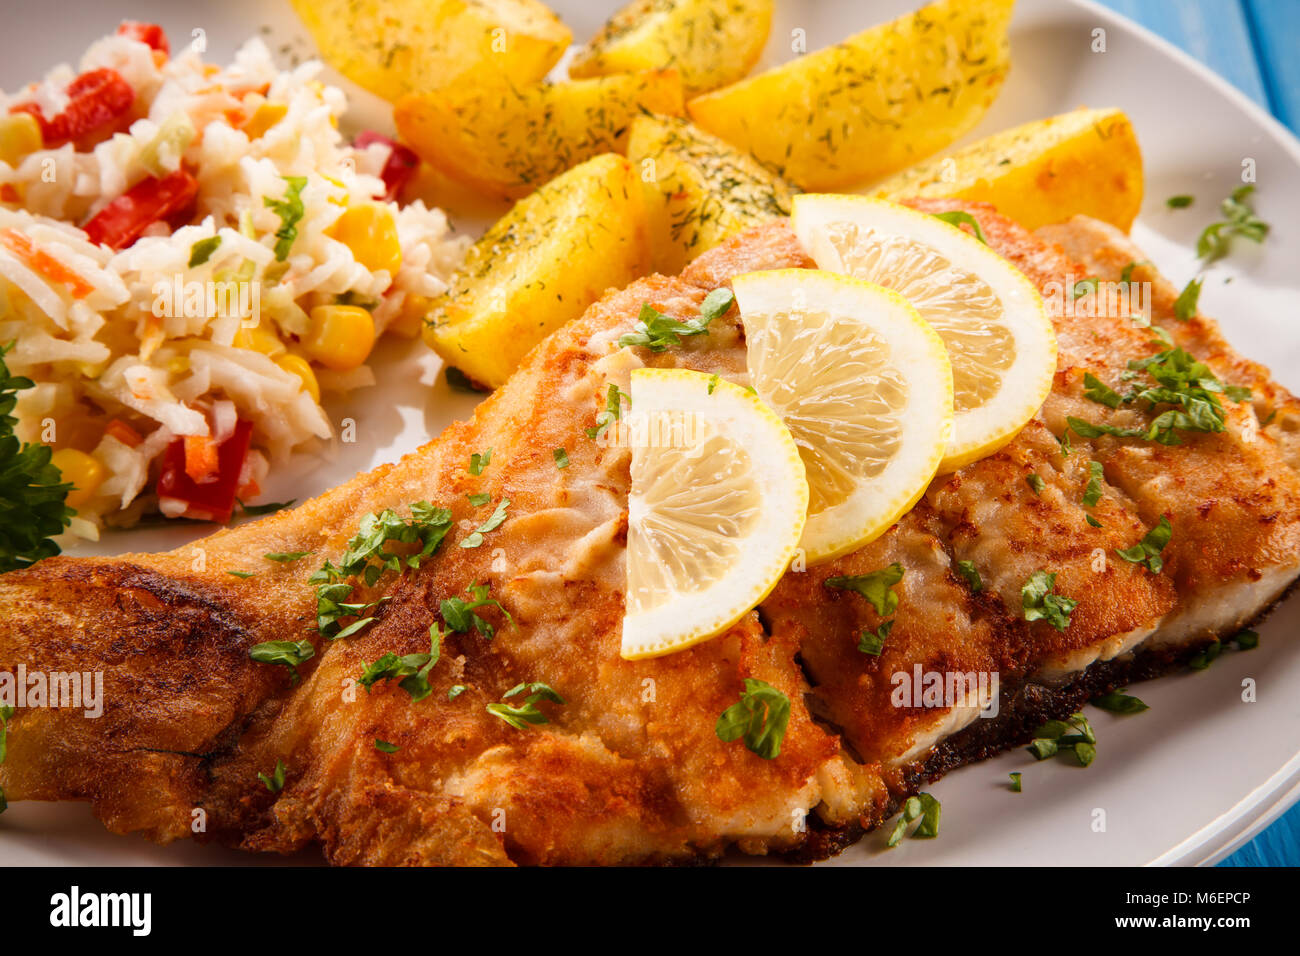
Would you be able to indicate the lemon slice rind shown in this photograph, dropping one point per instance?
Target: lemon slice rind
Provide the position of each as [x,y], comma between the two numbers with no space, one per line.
[659,624]
[914,349]
[977,431]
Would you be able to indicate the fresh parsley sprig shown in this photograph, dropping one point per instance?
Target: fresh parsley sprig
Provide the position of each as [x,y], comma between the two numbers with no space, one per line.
[1072,735]
[1147,551]
[760,717]
[923,807]
[657,331]
[411,670]
[32,493]
[1040,603]
[289,654]
[520,716]
[460,614]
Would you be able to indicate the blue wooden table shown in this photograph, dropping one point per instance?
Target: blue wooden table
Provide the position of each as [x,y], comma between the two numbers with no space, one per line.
[1255,45]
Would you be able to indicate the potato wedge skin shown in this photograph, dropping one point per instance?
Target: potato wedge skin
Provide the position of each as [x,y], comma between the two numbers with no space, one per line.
[541,265]
[396,47]
[709,42]
[699,191]
[872,104]
[1084,162]
[506,141]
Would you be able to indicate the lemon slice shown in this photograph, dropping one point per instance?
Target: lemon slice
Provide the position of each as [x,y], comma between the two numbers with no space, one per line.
[717,506]
[865,388]
[991,318]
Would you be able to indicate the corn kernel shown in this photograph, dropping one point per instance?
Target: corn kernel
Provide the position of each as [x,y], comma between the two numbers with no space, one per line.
[339,336]
[370,231]
[20,134]
[259,338]
[82,471]
[263,118]
[409,321]
[297,365]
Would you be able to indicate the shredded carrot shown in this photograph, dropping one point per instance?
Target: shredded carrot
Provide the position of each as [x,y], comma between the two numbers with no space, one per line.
[249,490]
[123,432]
[9,194]
[201,461]
[44,263]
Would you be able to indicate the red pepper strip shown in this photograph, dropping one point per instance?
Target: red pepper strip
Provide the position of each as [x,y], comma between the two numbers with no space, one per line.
[44,263]
[149,33]
[401,166]
[121,222]
[209,500]
[96,101]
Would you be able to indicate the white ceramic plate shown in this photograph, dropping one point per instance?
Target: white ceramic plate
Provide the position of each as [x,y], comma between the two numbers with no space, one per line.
[1186,782]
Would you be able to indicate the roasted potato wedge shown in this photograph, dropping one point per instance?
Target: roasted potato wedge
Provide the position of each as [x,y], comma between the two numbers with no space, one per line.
[395,47]
[872,104]
[1085,161]
[709,42]
[541,265]
[507,141]
[699,191]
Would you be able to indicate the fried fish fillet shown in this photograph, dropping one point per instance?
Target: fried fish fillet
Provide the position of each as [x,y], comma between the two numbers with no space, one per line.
[629,768]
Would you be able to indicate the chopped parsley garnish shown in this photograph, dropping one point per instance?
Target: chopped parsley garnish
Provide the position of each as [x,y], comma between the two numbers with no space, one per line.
[494,521]
[1118,702]
[383,746]
[875,586]
[1126,274]
[1180,381]
[1086,285]
[923,807]
[367,557]
[478,462]
[412,670]
[873,642]
[202,250]
[561,457]
[1072,735]
[242,574]
[519,716]
[657,331]
[287,653]
[1040,604]
[1178,202]
[478,501]
[1092,493]
[1093,521]
[286,556]
[455,691]
[1147,551]
[1246,640]
[290,210]
[1015,782]
[32,495]
[1185,304]
[1035,483]
[957,217]
[460,614]
[713,382]
[613,411]
[760,717]
[275,782]
[968,571]
[1100,392]
[1239,220]
[1064,442]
